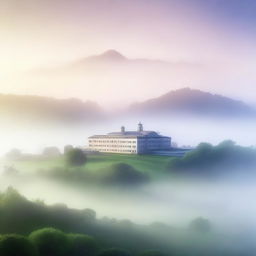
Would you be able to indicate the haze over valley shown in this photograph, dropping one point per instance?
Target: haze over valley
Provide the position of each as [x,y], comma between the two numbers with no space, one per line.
[49,121]
[127,128]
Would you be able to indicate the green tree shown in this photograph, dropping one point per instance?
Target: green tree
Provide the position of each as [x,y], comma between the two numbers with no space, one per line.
[200,225]
[114,252]
[89,215]
[14,154]
[125,174]
[76,157]
[51,152]
[50,242]
[82,245]
[16,245]
[68,148]
[152,253]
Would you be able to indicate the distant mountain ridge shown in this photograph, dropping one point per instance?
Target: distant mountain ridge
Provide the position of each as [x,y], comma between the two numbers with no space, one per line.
[111,59]
[38,108]
[184,101]
[109,55]
[114,57]
[193,102]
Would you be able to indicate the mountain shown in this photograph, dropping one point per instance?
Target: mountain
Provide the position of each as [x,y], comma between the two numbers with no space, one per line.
[110,73]
[43,109]
[111,59]
[109,55]
[188,101]
[113,56]
[184,101]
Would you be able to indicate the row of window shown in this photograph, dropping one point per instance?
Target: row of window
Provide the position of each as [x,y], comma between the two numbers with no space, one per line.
[113,141]
[120,151]
[112,146]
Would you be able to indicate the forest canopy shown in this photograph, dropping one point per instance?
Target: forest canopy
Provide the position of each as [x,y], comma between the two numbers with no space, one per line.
[208,159]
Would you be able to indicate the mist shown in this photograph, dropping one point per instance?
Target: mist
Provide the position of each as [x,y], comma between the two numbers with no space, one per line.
[186,131]
[227,201]
[172,199]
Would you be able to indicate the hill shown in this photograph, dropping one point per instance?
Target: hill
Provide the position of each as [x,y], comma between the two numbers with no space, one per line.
[193,102]
[44,109]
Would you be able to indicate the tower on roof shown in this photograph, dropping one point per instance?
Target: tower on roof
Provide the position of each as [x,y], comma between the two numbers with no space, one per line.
[140,127]
[122,129]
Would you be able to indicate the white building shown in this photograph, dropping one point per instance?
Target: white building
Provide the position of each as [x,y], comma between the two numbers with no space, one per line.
[130,142]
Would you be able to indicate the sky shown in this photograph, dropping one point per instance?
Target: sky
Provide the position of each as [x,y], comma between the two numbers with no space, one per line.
[217,34]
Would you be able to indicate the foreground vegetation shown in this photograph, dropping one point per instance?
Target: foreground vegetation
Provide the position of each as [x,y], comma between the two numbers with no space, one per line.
[35,229]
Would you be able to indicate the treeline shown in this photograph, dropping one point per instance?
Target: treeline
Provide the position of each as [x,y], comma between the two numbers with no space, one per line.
[22,217]
[54,242]
[36,109]
[60,231]
[46,242]
[207,159]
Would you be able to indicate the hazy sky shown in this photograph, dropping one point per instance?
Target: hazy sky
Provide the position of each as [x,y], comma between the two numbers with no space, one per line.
[220,34]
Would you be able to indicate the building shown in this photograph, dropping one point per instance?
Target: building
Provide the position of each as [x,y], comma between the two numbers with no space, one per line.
[130,142]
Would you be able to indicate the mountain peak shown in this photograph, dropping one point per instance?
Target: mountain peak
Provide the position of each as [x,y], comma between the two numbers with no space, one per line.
[112,55]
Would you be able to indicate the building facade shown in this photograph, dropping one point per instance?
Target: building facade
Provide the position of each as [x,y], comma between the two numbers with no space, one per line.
[130,142]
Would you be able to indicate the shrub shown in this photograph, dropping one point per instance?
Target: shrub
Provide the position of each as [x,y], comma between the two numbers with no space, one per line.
[200,225]
[82,245]
[50,241]
[14,154]
[76,157]
[152,253]
[125,174]
[68,148]
[114,252]
[51,152]
[12,245]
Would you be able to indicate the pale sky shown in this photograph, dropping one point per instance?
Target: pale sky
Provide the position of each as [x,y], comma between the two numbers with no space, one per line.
[217,34]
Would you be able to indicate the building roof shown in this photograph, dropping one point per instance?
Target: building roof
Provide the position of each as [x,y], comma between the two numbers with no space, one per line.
[131,134]
[134,133]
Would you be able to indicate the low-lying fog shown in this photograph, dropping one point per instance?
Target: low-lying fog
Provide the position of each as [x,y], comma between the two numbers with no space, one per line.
[227,204]
[186,131]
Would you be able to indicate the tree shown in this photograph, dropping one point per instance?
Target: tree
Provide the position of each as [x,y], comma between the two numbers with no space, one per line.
[200,225]
[13,245]
[82,245]
[125,174]
[76,157]
[68,148]
[89,215]
[212,160]
[51,151]
[50,241]
[14,154]
[10,170]
[152,253]
[114,252]
[11,197]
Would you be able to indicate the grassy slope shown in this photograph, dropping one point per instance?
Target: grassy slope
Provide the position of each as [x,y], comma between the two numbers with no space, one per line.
[152,165]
